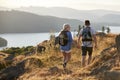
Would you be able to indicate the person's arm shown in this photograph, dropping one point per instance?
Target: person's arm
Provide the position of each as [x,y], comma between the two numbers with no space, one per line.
[78,41]
[70,40]
[79,38]
[95,40]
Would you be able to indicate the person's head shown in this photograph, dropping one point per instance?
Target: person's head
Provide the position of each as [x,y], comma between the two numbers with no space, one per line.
[66,27]
[87,23]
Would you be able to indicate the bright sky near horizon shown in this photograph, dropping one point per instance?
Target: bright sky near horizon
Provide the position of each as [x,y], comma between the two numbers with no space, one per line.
[75,4]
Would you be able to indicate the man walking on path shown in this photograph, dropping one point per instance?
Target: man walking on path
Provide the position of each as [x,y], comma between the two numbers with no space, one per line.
[88,36]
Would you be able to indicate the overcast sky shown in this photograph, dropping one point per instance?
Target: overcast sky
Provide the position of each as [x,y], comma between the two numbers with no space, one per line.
[75,4]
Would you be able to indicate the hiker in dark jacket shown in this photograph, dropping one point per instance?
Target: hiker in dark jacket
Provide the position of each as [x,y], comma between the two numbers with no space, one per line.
[66,50]
[88,35]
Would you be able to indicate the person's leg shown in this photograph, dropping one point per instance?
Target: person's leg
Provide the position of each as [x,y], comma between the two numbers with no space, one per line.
[89,59]
[84,52]
[64,59]
[68,56]
[90,49]
[83,61]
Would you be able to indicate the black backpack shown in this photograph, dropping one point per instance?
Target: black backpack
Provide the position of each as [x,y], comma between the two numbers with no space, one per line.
[86,34]
[63,38]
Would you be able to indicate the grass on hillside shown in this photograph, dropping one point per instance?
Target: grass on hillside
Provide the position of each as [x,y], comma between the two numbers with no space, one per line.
[52,60]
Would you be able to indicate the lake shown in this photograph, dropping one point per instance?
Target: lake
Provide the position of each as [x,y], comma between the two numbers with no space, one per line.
[115,29]
[25,39]
[32,39]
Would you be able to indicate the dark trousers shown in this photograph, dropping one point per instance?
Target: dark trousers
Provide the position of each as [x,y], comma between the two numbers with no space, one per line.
[86,50]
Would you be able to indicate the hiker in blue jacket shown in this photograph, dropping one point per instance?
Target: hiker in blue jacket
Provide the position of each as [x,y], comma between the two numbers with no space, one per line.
[66,49]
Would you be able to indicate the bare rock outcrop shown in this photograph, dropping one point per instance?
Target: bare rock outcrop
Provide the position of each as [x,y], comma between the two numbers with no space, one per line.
[13,72]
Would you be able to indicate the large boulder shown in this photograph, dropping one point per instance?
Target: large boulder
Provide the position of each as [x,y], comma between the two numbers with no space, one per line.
[40,48]
[13,72]
[4,63]
[111,75]
[118,43]
[3,42]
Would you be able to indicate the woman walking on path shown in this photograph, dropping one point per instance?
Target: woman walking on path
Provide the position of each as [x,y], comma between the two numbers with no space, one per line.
[66,49]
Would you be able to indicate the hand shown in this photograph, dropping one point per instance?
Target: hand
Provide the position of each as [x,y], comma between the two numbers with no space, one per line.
[78,46]
[96,46]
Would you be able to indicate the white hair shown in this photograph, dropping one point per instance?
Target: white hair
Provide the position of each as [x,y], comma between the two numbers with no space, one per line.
[65,26]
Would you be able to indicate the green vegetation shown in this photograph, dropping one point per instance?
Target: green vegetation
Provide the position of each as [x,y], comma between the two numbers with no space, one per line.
[18,51]
[108,30]
[79,28]
[103,29]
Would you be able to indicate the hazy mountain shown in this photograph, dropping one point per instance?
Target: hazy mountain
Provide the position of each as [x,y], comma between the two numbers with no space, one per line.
[3,8]
[110,18]
[93,15]
[59,12]
[20,22]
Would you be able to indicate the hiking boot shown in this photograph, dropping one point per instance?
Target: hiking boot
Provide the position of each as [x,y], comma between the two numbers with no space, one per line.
[64,65]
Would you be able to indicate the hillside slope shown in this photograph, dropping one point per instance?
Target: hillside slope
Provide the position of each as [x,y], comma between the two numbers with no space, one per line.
[64,12]
[24,22]
[48,65]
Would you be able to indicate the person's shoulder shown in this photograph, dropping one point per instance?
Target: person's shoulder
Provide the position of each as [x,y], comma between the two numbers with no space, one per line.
[82,29]
[92,28]
[67,32]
